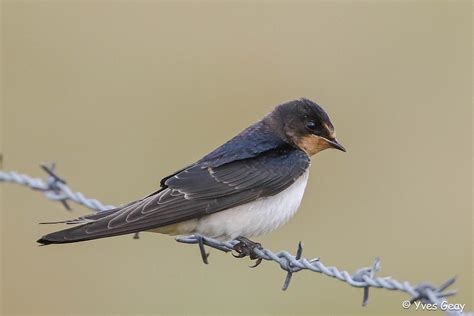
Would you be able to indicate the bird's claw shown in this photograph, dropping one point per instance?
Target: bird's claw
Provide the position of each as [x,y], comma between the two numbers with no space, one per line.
[245,248]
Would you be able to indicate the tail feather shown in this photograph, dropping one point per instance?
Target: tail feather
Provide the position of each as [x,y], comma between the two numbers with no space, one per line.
[76,234]
[80,233]
[84,219]
[59,237]
[107,223]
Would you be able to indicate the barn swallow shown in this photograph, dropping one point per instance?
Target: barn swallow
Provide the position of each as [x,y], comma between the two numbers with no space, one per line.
[249,186]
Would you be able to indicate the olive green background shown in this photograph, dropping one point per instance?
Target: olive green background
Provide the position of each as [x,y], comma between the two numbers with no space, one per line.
[120,94]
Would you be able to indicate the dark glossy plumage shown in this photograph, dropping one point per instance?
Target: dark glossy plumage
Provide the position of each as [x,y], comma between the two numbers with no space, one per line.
[261,161]
[252,165]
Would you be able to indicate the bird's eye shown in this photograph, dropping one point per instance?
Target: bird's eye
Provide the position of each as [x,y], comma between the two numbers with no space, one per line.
[311,125]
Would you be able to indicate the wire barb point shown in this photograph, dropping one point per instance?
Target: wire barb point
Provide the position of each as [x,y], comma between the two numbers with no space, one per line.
[54,181]
[427,293]
[289,275]
[363,273]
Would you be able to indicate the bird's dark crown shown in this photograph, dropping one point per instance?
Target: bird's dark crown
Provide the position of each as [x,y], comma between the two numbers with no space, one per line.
[304,124]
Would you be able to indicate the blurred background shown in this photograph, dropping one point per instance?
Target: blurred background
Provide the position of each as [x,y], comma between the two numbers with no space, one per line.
[120,94]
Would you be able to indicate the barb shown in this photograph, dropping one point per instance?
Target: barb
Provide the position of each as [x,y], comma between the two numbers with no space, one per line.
[56,189]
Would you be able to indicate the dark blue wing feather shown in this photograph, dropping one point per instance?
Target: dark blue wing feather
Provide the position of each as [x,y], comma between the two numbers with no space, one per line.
[254,164]
[253,141]
[196,192]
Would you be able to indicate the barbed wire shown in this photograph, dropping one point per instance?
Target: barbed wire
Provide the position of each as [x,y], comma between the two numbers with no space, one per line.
[56,189]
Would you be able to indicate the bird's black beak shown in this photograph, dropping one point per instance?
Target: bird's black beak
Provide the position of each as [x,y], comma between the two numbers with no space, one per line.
[335,144]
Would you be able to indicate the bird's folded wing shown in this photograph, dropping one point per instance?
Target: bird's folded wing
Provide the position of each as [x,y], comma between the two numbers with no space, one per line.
[200,190]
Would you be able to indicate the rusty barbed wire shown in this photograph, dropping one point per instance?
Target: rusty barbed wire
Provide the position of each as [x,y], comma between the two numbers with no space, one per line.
[56,189]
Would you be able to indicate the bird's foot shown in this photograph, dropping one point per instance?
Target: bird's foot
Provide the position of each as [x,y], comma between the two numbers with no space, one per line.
[245,248]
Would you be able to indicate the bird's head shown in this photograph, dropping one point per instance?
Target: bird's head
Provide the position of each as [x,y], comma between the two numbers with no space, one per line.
[304,124]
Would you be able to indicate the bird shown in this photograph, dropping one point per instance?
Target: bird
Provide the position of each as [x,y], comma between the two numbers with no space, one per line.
[247,187]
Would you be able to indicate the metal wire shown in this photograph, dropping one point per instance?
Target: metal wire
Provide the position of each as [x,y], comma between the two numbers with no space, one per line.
[55,188]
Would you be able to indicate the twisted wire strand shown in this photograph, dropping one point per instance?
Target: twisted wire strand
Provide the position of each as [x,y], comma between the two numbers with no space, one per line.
[53,189]
[56,189]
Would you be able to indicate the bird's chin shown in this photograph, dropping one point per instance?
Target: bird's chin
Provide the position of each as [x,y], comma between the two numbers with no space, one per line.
[313,144]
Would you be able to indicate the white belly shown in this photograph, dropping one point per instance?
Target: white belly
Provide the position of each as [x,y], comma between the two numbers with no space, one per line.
[254,218]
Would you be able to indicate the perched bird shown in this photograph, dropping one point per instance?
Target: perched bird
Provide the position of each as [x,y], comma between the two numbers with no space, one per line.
[247,187]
